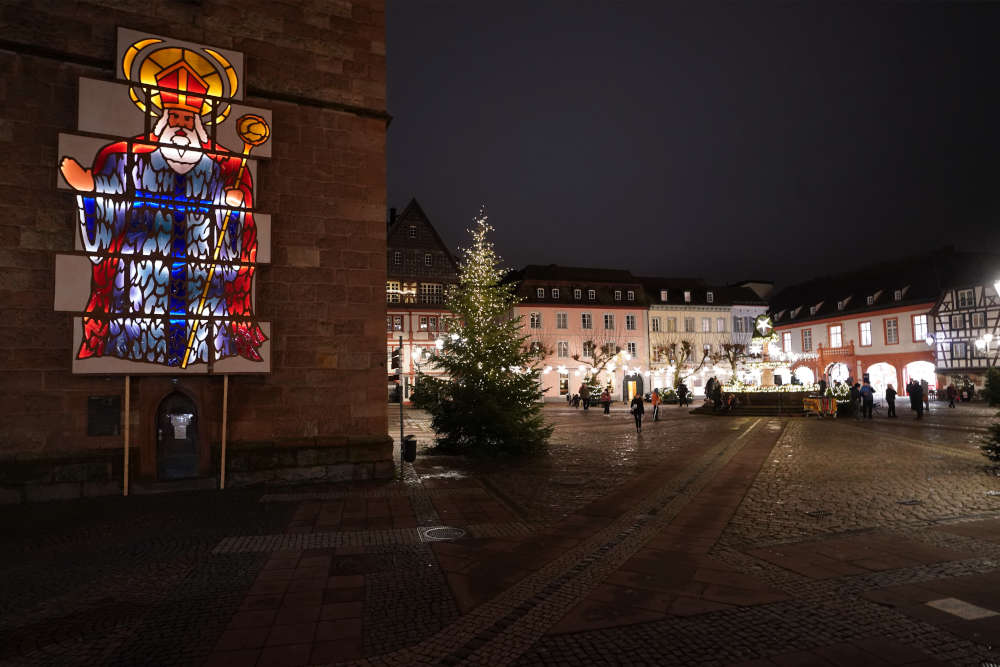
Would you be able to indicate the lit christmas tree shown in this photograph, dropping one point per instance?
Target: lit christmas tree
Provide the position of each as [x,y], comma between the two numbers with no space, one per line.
[491,401]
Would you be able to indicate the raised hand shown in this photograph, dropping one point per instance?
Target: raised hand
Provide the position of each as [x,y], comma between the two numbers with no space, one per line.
[79,179]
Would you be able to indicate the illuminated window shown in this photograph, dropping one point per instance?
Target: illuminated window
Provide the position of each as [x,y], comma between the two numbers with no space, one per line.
[578,294]
[671,325]
[966,298]
[431,293]
[536,320]
[397,258]
[631,347]
[738,325]
[588,348]
[630,322]
[630,295]
[397,323]
[870,300]
[720,325]
[689,324]
[591,294]
[807,340]
[562,321]
[388,323]
[654,324]
[891,332]
[836,336]
[540,293]
[555,293]
[432,323]
[706,324]
[392,291]
[919,327]
[586,321]
[428,259]
[958,351]
[957,321]
[687,296]
[663,295]
[618,295]
[562,349]
[423,323]
[865,329]
[710,297]
[898,295]
[978,320]
[412,231]
[609,321]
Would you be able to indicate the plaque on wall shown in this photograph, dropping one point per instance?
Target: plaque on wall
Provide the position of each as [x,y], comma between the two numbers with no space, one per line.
[104,415]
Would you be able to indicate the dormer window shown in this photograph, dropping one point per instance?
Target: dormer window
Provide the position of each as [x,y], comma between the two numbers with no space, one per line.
[812,310]
[897,295]
[555,293]
[630,295]
[578,294]
[591,295]
[795,312]
[540,292]
[840,305]
[709,297]
[618,295]
[687,296]
[870,300]
[412,231]
[663,295]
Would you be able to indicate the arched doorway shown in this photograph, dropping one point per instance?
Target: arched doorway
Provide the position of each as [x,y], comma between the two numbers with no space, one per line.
[804,375]
[631,386]
[920,370]
[176,437]
[882,375]
[838,372]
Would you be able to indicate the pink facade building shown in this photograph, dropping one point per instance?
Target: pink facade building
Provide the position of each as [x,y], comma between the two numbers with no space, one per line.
[581,317]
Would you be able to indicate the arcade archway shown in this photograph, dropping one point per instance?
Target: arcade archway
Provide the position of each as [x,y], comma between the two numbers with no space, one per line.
[881,375]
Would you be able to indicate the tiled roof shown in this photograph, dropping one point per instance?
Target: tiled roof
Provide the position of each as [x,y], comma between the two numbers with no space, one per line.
[919,279]
[724,295]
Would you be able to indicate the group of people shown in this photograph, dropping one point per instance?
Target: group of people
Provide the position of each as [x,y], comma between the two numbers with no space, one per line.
[862,398]
[583,396]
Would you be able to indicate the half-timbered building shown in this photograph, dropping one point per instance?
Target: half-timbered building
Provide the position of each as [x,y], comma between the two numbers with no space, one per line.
[966,317]
[420,268]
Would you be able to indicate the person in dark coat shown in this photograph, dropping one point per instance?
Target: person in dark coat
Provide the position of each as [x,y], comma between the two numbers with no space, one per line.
[822,387]
[952,393]
[716,396]
[638,409]
[917,399]
[890,401]
[682,392]
[867,400]
[854,394]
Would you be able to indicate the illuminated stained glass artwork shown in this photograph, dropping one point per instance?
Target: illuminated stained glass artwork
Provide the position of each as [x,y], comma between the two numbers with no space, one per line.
[166,218]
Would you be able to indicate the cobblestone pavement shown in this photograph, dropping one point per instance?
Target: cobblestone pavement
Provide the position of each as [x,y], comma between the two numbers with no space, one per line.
[704,540]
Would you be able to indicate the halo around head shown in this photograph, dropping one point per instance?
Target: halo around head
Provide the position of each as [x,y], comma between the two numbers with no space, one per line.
[196,76]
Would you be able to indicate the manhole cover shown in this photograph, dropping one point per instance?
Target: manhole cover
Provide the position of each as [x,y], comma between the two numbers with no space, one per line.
[440,534]
[912,501]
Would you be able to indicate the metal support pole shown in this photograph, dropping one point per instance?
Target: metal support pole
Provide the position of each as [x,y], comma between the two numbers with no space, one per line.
[125,431]
[225,422]
[400,372]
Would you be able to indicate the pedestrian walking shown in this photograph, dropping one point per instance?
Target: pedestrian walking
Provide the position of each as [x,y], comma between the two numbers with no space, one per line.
[709,386]
[952,393]
[890,401]
[716,395]
[585,396]
[867,400]
[925,392]
[606,401]
[682,392]
[854,395]
[916,399]
[637,411]
[655,400]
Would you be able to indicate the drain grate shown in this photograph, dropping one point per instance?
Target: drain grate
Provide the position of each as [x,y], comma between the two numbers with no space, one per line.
[440,534]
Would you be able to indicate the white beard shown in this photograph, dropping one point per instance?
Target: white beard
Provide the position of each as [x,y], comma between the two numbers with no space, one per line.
[180,159]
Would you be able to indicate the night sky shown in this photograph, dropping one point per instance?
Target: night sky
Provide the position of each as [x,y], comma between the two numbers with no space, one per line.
[724,141]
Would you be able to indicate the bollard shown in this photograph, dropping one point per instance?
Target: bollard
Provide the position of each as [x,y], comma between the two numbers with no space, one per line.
[410,448]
